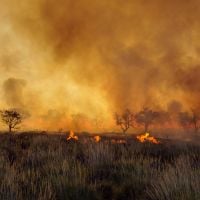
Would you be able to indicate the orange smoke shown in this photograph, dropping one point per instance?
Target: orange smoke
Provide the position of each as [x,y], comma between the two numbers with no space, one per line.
[145,137]
[61,42]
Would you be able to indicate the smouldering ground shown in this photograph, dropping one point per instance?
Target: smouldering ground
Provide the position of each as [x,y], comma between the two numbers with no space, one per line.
[42,166]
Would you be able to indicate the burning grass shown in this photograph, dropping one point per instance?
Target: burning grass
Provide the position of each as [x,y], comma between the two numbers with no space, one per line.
[97,138]
[72,136]
[52,167]
[147,138]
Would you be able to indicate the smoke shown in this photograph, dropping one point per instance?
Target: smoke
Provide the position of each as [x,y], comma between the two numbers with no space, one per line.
[174,107]
[13,92]
[93,57]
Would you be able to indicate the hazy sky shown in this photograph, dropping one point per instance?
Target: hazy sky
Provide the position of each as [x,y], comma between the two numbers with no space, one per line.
[67,59]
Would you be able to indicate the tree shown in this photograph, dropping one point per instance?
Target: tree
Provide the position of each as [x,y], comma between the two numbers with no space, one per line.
[12,118]
[184,119]
[146,117]
[125,121]
[195,120]
[190,120]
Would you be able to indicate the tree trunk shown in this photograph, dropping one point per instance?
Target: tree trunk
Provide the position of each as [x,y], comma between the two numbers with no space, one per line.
[10,129]
[124,131]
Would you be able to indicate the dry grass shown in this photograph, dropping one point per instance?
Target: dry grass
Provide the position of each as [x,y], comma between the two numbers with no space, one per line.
[48,167]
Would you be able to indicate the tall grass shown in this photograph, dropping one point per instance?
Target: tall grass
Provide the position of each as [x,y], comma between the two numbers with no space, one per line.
[48,167]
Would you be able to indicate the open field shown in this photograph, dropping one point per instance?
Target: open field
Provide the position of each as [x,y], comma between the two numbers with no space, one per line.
[44,167]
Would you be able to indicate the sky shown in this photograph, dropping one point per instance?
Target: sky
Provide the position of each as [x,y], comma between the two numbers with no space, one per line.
[72,64]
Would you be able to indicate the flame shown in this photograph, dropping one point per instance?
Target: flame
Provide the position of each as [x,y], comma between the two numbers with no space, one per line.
[115,141]
[72,136]
[146,137]
[97,138]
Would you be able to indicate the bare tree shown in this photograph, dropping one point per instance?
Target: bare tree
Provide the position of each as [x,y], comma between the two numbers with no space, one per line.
[11,118]
[146,117]
[184,119]
[195,120]
[190,120]
[125,121]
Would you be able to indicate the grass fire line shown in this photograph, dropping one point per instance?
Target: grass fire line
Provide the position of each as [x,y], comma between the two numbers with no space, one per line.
[141,138]
[146,137]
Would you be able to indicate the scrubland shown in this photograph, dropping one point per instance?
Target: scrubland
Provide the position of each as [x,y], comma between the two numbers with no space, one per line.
[47,167]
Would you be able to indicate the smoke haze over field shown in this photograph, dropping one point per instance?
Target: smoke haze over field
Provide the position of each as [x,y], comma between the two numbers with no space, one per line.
[89,58]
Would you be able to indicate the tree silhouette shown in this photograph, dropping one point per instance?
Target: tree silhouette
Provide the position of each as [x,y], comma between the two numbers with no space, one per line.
[146,117]
[195,120]
[190,120]
[125,121]
[12,118]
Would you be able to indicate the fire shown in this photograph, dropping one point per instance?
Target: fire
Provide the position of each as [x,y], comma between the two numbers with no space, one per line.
[72,136]
[97,138]
[116,141]
[146,137]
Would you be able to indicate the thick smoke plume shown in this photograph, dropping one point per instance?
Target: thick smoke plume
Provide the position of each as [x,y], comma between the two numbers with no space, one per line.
[13,91]
[90,57]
